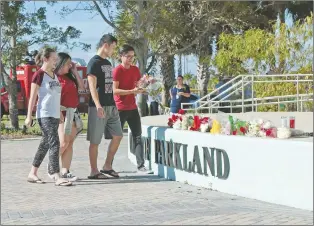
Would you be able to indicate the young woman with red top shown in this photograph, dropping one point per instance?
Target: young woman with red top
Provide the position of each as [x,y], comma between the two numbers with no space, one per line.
[70,82]
[46,86]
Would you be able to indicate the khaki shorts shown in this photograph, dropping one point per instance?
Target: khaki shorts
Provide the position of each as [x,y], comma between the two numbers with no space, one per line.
[97,127]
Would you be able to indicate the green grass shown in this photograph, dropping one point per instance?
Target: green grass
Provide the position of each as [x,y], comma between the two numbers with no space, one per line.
[33,131]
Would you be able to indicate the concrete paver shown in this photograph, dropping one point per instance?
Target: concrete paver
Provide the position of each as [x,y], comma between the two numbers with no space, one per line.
[132,199]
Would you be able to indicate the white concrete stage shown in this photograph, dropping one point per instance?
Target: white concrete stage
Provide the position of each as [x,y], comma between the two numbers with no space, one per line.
[266,169]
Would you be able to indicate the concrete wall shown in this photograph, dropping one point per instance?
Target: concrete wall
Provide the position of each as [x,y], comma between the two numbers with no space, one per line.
[271,170]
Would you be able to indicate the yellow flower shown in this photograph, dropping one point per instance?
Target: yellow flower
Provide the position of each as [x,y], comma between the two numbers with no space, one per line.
[216,127]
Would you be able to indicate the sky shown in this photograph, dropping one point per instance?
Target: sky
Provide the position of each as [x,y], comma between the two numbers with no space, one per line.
[93,27]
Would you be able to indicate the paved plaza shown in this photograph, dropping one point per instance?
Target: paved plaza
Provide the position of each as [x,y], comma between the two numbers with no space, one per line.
[132,199]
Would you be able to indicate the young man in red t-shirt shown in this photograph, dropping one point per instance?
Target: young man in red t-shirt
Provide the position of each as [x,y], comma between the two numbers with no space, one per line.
[125,77]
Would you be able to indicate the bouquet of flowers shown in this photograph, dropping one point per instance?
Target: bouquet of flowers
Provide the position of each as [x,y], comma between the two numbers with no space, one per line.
[216,127]
[261,128]
[238,127]
[187,122]
[227,126]
[175,120]
[151,85]
[200,123]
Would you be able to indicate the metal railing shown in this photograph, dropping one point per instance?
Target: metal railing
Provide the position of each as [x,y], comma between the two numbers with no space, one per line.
[238,84]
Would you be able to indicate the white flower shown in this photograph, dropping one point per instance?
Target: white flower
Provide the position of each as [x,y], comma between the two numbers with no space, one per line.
[185,123]
[260,121]
[261,133]
[283,133]
[254,129]
[267,125]
[226,128]
[204,127]
[177,125]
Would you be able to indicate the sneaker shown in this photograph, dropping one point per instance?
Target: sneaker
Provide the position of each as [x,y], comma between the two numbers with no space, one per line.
[143,169]
[69,176]
[49,175]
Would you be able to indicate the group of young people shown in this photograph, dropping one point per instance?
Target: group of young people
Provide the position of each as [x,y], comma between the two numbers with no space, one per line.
[112,103]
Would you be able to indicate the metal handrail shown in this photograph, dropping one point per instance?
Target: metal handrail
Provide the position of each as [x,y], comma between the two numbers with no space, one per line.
[255,101]
[215,90]
[245,80]
[269,98]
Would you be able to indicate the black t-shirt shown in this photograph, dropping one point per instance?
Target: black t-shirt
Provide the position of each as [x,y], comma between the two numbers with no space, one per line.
[186,89]
[102,69]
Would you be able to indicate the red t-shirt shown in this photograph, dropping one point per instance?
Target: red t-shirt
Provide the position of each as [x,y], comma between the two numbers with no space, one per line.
[127,79]
[69,94]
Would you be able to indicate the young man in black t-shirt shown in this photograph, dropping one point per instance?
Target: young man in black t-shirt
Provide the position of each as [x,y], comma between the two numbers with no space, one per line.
[103,114]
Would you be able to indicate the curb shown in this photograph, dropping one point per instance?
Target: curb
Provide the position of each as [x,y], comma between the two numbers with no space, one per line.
[39,137]
[34,138]
[22,139]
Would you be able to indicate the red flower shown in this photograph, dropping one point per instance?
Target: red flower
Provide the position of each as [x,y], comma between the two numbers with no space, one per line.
[192,128]
[174,118]
[204,120]
[181,112]
[170,122]
[268,132]
[234,132]
[197,123]
[243,130]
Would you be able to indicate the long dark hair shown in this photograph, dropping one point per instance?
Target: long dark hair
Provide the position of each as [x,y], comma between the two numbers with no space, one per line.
[62,59]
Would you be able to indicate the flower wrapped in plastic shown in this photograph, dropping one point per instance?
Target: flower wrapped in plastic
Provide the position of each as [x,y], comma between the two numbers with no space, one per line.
[177,125]
[216,127]
[173,121]
[225,127]
[187,122]
[143,82]
[283,133]
[238,127]
[200,123]
[261,128]
[206,124]
[151,85]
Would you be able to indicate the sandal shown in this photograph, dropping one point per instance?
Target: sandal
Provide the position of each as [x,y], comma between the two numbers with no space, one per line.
[98,176]
[36,181]
[110,173]
[62,182]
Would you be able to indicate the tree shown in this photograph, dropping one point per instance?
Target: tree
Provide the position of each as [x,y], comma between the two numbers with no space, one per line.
[283,50]
[257,51]
[143,24]
[20,31]
[162,29]
[180,64]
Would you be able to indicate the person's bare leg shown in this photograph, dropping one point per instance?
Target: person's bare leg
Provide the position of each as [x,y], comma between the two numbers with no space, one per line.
[112,149]
[66,156]
[33,173]
[64,142]
[63,138]
[93,155]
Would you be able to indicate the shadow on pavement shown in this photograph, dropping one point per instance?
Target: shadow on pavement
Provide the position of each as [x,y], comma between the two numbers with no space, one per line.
[122,179]
[127,171]
[117,181]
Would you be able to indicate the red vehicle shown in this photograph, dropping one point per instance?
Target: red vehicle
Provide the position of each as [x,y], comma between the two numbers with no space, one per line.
[24,79]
